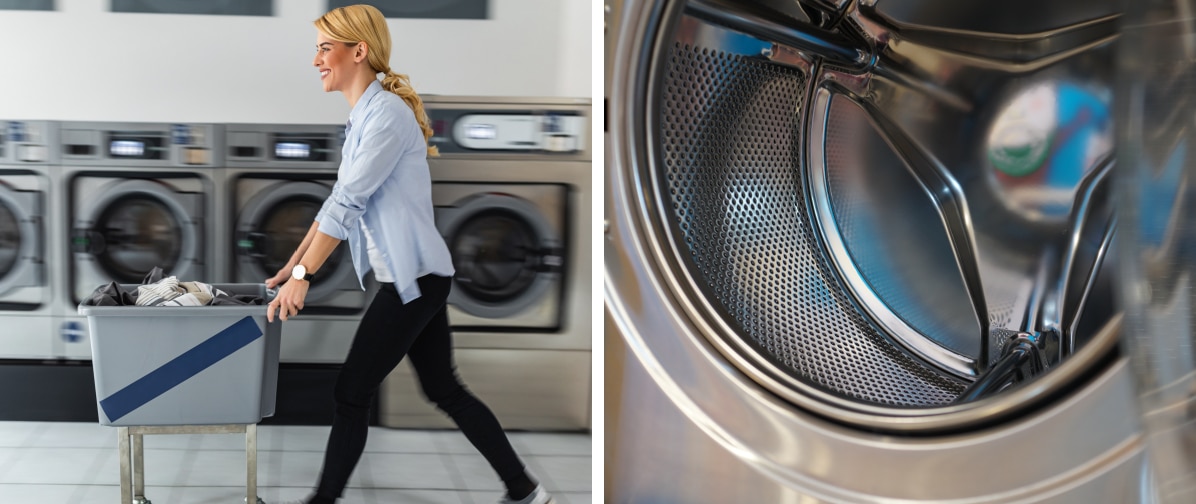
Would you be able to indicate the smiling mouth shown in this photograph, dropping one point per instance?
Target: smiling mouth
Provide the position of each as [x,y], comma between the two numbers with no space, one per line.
[324,73]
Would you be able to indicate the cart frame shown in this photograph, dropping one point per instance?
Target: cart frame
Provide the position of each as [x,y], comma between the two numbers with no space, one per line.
[132,459]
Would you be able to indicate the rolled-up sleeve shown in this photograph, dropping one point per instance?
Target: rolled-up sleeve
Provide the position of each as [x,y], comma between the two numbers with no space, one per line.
[375,156]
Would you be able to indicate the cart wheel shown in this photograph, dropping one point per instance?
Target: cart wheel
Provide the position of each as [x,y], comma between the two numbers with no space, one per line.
[141,500]
[259,500]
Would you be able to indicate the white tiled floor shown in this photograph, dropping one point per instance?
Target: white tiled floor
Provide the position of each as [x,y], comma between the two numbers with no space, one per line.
[76,463]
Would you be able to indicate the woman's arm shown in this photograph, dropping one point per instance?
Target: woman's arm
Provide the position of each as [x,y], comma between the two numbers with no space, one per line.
[316,248]
[312,253]
[284,273]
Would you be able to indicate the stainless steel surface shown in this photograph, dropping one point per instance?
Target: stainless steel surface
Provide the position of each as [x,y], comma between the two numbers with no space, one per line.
[530,362]
[26,214]
[768,193]
[1156,172]
[692,430]
[807,263]
[132,466]
[126,472]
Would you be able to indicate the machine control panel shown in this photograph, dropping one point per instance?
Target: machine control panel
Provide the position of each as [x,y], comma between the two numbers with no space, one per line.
[284,146]
[135,144]
[480,131]
[549,132]
[26,142]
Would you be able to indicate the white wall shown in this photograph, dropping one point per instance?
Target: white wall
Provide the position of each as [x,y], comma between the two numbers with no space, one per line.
[82,62]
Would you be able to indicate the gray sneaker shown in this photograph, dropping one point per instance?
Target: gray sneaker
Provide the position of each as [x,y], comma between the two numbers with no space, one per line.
[538,496]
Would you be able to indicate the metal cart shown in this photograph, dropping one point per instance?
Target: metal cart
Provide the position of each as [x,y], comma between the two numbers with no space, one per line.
[215,371]
[132,479]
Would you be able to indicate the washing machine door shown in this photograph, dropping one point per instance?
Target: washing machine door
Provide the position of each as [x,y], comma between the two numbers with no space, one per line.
[506,255]
[829,220]
[136,225]
[20,239]
[272,226]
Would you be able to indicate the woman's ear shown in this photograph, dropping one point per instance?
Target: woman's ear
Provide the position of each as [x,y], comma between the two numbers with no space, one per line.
[361,52]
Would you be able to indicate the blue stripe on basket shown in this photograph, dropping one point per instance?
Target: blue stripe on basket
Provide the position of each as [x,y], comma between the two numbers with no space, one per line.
[181,368]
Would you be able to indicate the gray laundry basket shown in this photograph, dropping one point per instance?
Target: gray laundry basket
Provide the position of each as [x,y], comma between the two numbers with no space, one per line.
[194,365]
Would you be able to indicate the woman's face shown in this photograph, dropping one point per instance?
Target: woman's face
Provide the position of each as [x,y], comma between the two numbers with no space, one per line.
[335,62]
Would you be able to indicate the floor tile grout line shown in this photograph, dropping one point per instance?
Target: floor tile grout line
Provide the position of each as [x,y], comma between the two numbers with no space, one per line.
[447,447]
[454,472]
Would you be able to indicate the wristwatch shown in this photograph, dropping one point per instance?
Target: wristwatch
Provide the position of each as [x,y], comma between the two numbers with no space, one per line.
[299,272]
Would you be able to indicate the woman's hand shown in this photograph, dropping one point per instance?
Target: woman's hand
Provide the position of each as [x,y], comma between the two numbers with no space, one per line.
[289,300]
[280,278]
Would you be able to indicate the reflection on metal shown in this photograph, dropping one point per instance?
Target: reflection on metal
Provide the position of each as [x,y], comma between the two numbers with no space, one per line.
[853,205]
[1043,144]
[766,24]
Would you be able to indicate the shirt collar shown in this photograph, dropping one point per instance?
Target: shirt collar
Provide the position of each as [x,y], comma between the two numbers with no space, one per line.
[370,91]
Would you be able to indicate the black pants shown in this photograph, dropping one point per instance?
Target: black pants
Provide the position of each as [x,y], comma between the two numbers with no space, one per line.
[388,331]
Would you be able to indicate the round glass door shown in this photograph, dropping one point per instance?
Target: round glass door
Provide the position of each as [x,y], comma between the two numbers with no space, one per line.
[495,255]
[281,230]
[10,241]
[139,232]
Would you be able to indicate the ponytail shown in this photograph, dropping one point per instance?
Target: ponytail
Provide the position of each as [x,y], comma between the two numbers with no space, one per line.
[399,84]
[364,23]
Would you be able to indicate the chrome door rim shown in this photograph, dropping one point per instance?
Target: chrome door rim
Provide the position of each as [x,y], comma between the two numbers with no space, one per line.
[630,149]
[23,272]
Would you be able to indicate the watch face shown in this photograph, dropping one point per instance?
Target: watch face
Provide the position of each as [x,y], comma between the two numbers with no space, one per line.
[298,271]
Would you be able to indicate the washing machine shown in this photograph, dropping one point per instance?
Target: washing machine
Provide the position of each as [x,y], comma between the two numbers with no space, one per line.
[864,251]
[512,191]
[27,150]
[137,196]
[277,178]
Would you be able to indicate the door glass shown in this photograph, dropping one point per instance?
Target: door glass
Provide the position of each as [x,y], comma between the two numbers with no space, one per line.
[495,256]
[139,233]
[284,226]
[10,240]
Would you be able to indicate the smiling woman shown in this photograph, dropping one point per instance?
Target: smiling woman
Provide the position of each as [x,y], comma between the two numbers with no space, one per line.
[384,172]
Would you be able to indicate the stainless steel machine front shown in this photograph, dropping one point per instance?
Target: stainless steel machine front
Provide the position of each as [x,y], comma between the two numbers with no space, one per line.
[512,189]
[27,151]
[135,196]
[846,237]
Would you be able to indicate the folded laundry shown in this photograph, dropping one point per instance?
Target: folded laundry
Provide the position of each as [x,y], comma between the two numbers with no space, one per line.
[169,291]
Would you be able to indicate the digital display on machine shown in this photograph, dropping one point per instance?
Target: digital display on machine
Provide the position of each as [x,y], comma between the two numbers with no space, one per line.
[481,131]
[292,150]
[126,148]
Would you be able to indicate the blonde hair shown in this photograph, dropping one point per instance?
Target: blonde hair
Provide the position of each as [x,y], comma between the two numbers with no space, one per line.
[365,23]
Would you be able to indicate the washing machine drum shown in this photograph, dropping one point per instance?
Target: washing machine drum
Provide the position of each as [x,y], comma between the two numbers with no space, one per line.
[20,239]
[505,254]
[876,221]
[138,225]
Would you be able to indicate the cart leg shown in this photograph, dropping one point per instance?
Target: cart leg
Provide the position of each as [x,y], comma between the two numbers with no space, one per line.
[126,489]
[138,469]
[251,464]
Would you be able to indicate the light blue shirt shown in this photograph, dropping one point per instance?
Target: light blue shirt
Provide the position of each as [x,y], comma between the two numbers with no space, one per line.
[383,181]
